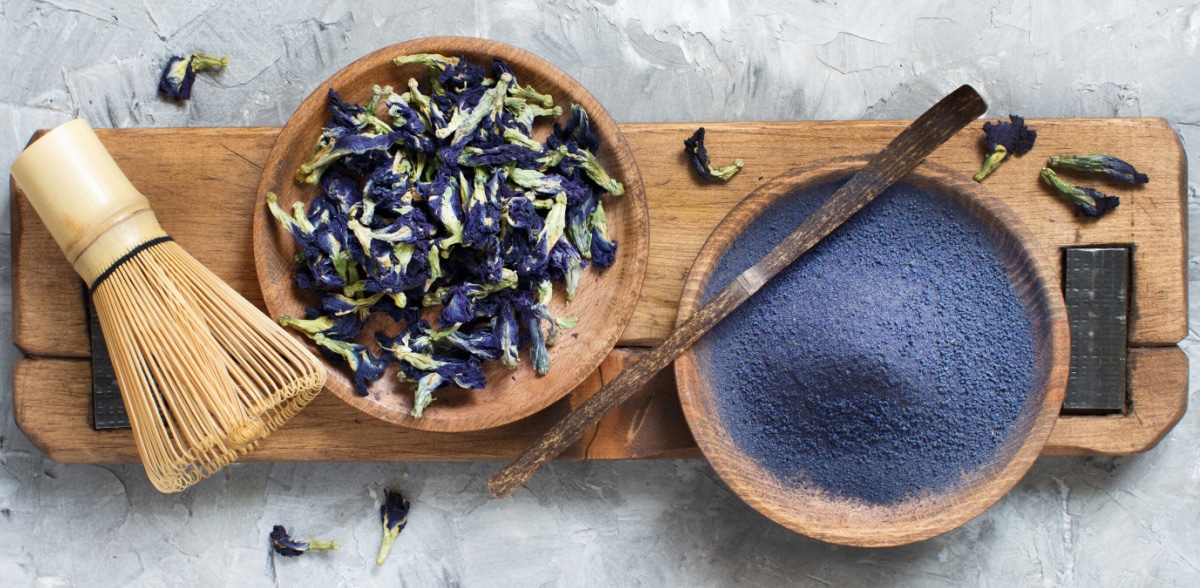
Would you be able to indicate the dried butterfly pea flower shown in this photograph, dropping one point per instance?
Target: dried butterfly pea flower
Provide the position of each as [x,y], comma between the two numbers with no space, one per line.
[1099,163]
[1088,201]
[365,366]
[694,146]
[519,213]
[429,369]
[604,250]
[481,343]
[460,306]
[464,373]
[341,305]
[338,142]
[577,130]
[587,161]
[180,73]
[296,223]
[581,206]
[507,329]
[1003,140]
[283,544]
[431,60]
[409,351]
[567,265]
[529,93]
[464,122]
[393,514]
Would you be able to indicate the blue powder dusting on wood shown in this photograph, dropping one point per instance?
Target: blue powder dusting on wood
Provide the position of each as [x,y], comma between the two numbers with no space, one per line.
[887,362]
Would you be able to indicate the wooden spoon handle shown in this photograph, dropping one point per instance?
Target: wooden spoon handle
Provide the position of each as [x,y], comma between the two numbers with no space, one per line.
[905,152]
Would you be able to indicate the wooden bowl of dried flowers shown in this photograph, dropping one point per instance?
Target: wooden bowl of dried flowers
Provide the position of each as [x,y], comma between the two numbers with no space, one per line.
[461,243]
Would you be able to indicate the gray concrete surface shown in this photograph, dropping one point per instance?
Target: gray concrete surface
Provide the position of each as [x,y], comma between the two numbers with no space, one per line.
[1071,522]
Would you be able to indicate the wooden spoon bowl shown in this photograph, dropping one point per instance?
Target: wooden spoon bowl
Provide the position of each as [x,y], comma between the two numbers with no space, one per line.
[820,514]
[604,300]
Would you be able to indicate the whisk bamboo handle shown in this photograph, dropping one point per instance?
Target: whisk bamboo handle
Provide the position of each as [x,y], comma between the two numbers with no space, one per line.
[94,213]
[204,375]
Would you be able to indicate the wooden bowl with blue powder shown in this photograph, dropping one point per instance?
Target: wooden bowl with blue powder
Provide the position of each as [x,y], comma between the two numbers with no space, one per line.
[894,382]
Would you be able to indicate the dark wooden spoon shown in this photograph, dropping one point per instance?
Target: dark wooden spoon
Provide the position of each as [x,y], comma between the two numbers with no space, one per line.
[904,153]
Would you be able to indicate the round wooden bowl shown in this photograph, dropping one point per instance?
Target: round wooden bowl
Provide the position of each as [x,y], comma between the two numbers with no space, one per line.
[820,515]
[604,300]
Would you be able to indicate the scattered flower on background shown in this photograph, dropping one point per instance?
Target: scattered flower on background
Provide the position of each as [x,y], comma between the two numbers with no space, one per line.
[1005,139]
[180,73]
[699,154]
[285,546]
[1088,201]
[1099,163]
[394,516]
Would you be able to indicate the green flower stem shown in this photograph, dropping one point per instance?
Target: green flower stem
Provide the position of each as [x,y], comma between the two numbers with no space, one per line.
[992,162]
[727,172]
[202,61]
[385,546]
[319,545]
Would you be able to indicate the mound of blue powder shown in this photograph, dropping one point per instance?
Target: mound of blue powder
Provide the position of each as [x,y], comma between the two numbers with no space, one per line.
[887,362]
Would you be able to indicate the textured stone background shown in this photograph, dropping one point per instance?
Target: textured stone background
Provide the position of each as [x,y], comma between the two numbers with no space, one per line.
[1072,521]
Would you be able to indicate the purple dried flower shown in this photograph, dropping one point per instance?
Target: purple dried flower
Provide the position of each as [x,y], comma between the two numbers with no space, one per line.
[180,73]
[1089,202]
[460,305]
[365,365]
[285,546]
[481,343]
[1014,136]
[393,513]
[604,249]
[1004,139]
[577,130]
[694,146]
[1099,163]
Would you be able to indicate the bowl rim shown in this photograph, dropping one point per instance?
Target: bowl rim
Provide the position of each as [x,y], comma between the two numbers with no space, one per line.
[858,525]
[633,251]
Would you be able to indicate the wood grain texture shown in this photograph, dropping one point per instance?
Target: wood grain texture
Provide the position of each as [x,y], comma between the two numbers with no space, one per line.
[684,209]
[52,407]
[902,154]
[202,183]
[602,300]
[216,171]
[817,514]
[1158,397]
[55,415]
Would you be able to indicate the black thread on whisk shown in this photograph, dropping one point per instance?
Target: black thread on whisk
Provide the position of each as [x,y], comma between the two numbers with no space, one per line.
[124,258]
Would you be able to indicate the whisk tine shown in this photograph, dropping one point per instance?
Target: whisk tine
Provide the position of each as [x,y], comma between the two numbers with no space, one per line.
[205,375]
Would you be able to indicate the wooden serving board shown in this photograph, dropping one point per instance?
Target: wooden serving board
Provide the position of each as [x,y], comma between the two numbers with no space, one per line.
[202,182]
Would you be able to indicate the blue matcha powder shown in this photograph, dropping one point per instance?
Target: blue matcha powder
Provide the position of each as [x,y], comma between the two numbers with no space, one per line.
[887,362]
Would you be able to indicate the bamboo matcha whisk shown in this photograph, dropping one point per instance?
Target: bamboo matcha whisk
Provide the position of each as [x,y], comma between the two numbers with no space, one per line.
[204,375]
